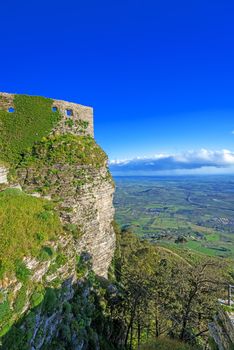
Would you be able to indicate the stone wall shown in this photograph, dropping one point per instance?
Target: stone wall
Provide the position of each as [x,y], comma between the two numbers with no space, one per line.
[80,122]
[74,123]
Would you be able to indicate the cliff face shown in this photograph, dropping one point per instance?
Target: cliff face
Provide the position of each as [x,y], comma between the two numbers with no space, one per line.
[61,219]
[84,196]
[222,330]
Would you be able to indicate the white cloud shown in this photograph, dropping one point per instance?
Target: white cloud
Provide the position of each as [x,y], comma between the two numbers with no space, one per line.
[201,161]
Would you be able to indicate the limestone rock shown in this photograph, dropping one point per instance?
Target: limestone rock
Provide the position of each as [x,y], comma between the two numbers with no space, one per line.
[3,174]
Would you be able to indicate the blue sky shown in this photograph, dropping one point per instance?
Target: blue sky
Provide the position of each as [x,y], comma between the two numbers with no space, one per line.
[159,74]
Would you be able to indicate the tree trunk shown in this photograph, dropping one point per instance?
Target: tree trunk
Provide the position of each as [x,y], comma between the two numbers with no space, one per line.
[157,332]
[138,333]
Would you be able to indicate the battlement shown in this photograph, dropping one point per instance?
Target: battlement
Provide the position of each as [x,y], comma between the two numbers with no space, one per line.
[76,119]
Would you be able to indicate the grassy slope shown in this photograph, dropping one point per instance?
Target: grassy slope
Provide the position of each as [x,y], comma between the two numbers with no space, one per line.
[32,119]
[165,344]
[26,224]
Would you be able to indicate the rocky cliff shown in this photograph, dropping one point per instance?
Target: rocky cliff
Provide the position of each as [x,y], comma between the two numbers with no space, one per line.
[57,224]
[222,330]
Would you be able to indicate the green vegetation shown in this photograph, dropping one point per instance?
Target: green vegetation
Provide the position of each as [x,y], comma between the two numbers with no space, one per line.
[162,292]
[155,300]
[166,344]
[21,271]
[5,311]
[46,253]
[74,230]
[85,317]
[20,299]
[50,301]
[163,295]
[32,119]
[26,224]
[189,213]
[36,298]
[66,149]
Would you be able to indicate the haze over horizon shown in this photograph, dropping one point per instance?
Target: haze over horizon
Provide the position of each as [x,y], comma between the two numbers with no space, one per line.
[158,74]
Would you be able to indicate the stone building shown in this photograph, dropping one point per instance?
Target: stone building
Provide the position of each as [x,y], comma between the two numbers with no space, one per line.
[76,118]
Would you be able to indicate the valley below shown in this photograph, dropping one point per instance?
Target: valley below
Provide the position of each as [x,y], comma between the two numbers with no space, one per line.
[190,214]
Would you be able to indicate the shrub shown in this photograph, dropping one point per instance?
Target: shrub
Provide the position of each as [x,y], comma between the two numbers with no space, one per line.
[20,299]
[73,229]
[61,259]
[21,271]
[50,301]
[46,253]
[36,298]
[5,311]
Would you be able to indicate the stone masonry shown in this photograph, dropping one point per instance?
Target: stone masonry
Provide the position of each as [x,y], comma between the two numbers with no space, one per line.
[76,118]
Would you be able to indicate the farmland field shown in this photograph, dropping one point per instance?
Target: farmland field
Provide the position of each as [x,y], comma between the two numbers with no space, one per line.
[192,213]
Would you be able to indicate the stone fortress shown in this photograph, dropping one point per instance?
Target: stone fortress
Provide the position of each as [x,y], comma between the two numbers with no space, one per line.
[74,118]
[73,115]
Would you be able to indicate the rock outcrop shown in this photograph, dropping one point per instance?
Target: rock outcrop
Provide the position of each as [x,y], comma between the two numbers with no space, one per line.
[85,196]
[222,330]
[3,175]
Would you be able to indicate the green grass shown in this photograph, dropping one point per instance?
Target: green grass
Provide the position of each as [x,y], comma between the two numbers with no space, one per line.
[32,119]
[214,237]
[199,247]
[26,224]
[166,344]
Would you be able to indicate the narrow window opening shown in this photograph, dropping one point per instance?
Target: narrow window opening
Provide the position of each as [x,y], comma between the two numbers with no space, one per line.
[11,110]
[54,109]
[69,112]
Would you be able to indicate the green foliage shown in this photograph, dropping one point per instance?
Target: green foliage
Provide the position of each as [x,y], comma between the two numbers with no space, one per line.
[165,344]
[21,271]
[69,122]
[50,301]
[61,259]
[32,119]
[18,337]
[25,227]
[5,311]
[82,125]
[163,293]
[73,229]
[65,149]
[83,265]
[46,253]
[228,308]
[36,298]
[20,299]
[83,318]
